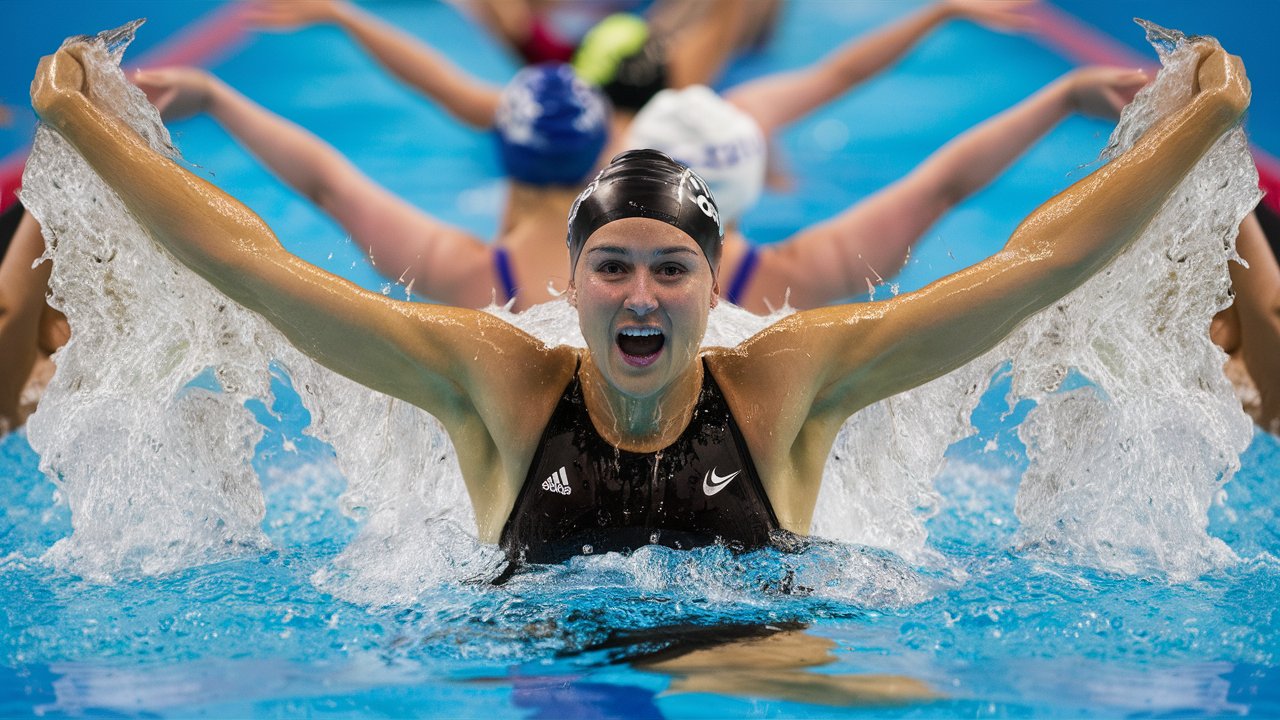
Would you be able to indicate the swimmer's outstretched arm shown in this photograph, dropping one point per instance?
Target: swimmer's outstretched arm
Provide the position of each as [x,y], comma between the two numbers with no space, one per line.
[777,100]
[462,366]
[22,304]
[462,95]
[834,260]
[404,243]
[835,361]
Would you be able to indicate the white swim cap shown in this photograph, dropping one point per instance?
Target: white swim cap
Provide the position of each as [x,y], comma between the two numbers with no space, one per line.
[716,140]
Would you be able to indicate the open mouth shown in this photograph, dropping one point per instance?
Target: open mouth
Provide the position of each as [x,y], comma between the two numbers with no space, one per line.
[640,346]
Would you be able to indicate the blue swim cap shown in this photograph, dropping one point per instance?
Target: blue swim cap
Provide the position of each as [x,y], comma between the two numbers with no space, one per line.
[551,126]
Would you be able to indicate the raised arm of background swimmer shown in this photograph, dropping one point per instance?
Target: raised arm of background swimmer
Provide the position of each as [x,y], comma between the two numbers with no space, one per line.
[697,54]
[837,259]
[778,100]
[465,97]
[437,357]
[403,243]
[854,355]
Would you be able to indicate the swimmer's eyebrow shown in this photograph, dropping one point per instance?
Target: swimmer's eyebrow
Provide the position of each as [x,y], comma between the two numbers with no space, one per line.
[617,250]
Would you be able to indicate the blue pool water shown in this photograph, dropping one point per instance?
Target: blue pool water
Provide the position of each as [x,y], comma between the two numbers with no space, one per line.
[993,629]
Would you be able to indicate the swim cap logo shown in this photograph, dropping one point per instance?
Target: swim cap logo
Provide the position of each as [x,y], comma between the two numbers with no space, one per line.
[702,197]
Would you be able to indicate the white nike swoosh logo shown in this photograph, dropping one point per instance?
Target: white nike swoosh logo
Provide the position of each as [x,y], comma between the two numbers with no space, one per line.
[713,483]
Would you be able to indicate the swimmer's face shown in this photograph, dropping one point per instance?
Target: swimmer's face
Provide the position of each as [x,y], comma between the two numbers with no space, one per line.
[643,290]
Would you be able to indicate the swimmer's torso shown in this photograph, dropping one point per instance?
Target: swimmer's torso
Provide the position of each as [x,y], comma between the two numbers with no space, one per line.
[582,495]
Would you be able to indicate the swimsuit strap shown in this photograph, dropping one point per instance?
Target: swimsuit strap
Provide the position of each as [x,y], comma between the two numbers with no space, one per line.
[502,264]
[743,275]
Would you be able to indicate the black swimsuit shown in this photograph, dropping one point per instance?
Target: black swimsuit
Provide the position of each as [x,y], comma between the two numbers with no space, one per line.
[583,495]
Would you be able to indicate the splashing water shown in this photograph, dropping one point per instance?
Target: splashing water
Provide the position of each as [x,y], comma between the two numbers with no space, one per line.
[154,459]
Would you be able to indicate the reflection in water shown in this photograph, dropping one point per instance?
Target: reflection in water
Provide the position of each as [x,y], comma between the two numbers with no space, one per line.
[772,662]
[775,664]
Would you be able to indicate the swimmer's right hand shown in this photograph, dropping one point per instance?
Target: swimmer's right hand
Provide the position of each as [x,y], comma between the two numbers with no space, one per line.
[1221,76]
[177,92]
[59,78]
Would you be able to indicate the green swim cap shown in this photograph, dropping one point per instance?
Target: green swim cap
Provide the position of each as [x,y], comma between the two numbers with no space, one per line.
[622,57]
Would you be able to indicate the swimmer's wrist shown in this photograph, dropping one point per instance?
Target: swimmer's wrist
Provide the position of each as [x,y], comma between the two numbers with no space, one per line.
[343,14]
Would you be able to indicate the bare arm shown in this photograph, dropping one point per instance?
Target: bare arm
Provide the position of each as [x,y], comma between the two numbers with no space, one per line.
[778,100]
[843,256]
[467,98]
[511,20]
[22,302]
[854,355]
[699,53]
[437,357]
[404,243]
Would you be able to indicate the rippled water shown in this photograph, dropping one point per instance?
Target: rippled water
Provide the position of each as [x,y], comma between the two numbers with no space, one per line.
[234,529]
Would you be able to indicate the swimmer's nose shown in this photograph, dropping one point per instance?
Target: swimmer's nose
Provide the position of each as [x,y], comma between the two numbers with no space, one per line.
[640,299]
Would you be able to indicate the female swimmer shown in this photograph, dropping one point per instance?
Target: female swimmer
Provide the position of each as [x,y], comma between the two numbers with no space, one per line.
[644,437]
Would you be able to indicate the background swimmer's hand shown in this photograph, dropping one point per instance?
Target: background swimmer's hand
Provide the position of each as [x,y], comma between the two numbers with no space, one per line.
[1221,75]
[6,116]
[1002,15]
[178,93]
[290,14]
[1103,92]
[59,77]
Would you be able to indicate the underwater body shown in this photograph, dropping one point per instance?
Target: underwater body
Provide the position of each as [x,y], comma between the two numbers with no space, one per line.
[179,570]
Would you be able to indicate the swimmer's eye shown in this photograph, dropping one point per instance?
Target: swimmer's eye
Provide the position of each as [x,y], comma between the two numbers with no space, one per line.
[671,270]
[611,267]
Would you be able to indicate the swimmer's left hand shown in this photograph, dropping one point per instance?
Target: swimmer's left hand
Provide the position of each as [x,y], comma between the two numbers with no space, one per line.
[1102,92]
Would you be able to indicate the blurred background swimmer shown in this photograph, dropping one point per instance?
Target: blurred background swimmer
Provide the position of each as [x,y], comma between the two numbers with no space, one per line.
[30,330]
[632,65]
[723,141]
[549,125]
[546,153]
[1249,329]
[702,34]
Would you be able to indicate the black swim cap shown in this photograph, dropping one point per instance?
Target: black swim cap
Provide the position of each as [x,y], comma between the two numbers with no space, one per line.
[647,184]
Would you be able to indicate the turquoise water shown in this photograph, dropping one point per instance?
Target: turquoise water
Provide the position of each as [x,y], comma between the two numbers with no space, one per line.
[995,628]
